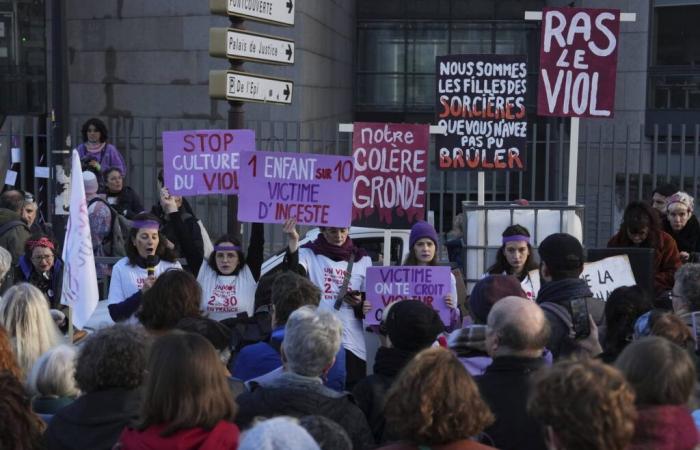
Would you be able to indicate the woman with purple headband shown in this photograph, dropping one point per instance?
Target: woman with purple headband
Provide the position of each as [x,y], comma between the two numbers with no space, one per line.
[515,257]
[147,256]
[229,279]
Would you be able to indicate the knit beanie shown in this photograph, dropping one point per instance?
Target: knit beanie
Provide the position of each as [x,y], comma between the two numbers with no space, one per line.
[412,325]
[682,198]
[421,230]
[90,182]
[489,290]
[280,433]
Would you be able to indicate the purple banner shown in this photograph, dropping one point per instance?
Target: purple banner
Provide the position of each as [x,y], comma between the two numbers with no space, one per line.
[386,285]
[202,162]
[313,189]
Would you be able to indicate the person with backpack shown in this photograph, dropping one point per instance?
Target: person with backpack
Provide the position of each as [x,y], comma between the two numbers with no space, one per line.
[100,217]
[14,232]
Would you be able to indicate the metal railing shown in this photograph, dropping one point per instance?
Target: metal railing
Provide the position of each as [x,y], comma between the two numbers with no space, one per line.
[616,165]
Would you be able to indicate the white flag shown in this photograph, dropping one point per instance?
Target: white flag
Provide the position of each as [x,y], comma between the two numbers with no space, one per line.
[79,289]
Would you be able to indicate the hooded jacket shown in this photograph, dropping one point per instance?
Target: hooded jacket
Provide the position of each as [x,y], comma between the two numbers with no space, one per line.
[224,436]
[94,420]
[14,238]
[561,340]
[297,396]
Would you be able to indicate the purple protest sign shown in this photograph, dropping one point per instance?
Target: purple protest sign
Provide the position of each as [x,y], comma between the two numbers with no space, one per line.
[386,285]
[313,189]
[203,162]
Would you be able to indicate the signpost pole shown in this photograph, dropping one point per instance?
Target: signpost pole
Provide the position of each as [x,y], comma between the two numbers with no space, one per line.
[236,121]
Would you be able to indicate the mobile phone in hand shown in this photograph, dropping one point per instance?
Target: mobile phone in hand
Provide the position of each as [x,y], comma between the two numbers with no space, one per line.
[579,317]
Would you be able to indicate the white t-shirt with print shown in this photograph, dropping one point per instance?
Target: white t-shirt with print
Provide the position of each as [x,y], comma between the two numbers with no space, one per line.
[328,275]
[226,296]
[127,280]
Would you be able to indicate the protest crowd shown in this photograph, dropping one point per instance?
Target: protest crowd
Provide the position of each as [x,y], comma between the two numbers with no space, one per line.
[206,352]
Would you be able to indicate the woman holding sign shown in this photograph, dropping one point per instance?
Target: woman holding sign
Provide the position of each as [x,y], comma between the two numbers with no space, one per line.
[338,268]
[423,242]
[229,279]
[515,257]
[147,257]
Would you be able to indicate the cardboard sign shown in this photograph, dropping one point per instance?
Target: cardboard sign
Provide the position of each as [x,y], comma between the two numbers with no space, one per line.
[313,189]
[481,102]
[386,285]
[390,174]
[203,162]
[578,62]
[602,276]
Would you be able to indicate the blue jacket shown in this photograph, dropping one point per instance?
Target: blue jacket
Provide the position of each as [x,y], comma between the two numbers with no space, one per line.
[258,359]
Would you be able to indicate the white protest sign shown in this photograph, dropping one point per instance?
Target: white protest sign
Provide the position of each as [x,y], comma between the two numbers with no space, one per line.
[602,276]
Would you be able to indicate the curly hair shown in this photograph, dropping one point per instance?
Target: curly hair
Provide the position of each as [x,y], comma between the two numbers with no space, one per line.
[186,385]
[162,249]
[113,357]
[241,256]
[175,295]
[638,216]
[20,428]
[8,362]
[588,404]
[98,124]
[444,403]
[501,265]
[660,372]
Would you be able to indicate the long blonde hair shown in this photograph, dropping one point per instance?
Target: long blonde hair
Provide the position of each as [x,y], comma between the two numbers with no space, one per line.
[24,312]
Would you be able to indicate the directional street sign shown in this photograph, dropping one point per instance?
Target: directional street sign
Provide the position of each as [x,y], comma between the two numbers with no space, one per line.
[248,87]
[280,12]
[238,44]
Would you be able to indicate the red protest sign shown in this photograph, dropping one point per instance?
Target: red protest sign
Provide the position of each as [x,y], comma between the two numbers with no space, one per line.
[578,62]
[390,174]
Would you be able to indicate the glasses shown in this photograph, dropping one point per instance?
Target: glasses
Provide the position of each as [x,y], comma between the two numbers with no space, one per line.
[40,258]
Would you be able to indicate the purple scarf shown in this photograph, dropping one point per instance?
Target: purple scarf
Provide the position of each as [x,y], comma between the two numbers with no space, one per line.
[337,253]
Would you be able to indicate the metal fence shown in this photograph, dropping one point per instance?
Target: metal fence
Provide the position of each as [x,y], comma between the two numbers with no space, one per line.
[615,165]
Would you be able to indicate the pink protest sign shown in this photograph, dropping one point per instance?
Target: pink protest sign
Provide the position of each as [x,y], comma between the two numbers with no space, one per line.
[313,189]
[386,285]
[390,174]
[203,162]
[578,62]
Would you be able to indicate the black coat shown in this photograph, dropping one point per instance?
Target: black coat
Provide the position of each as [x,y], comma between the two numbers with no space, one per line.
[505,387]
[299,402]
[688,239]
[94,420]
[370,392]
[182,229]
[128,203]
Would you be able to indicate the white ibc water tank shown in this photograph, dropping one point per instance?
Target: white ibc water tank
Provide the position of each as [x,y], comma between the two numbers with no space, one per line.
[477,236]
